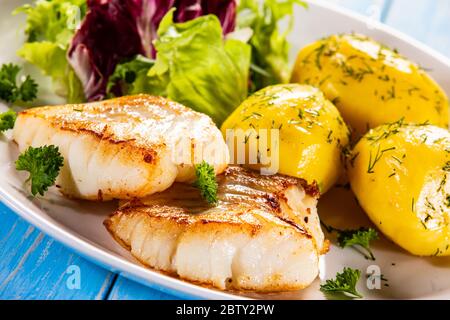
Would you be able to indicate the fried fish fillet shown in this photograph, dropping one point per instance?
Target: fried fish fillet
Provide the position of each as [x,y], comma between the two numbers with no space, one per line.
[123,148]
[264,234]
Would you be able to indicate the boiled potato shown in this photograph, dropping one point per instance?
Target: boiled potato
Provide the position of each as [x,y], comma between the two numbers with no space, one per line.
[311,131]
[401,177]
[369,83]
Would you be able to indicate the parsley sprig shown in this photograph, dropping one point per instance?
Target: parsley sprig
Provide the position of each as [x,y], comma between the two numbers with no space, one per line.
[344,283]
[7,120]
[360,237]
[206,182]
[10,91]
[357,238]
[43,164]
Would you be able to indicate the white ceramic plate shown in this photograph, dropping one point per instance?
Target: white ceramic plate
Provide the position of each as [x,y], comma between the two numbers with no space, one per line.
[79,224]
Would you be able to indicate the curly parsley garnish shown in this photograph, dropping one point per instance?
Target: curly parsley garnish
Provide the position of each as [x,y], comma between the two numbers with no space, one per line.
[355,238]
[360,237]
[7,120]
[43,164]
[206,182]
[345,283]
[10,91]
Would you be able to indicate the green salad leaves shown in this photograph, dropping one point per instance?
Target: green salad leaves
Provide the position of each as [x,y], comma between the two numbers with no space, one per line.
[194,66]
[130,77]
[50,26]
[193,61]
[270,48]
[198,68]
[43,164]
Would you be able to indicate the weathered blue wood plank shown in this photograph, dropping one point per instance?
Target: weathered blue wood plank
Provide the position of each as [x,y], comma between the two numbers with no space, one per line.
[125,289]
[425,20]
[34,266]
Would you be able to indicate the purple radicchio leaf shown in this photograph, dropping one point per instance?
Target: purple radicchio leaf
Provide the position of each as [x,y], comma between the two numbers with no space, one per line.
[107,35]
[225,10]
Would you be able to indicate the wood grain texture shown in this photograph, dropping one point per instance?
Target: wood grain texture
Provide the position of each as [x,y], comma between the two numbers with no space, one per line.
[125,289]
[34,266]
[425,20]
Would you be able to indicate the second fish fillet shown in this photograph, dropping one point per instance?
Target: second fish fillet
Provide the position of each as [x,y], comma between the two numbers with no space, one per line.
[264,234]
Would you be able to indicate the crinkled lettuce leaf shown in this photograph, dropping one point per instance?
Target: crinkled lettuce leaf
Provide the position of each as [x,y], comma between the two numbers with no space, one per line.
[50,27]
[51,59]
[52,20]
[130,77]
[269,45]
[198,68]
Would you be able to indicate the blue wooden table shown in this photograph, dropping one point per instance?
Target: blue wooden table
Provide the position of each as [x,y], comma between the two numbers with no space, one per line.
[34,266]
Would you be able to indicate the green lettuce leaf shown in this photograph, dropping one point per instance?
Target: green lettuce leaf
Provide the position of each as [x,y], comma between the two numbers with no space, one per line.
[130,77]
[52,20]
[51,59]
[269,45]
[198,68]
[50,26]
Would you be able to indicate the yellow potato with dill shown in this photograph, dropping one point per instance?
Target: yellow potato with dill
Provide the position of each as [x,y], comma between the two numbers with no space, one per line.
[369,83]
[400,175]
[310,129]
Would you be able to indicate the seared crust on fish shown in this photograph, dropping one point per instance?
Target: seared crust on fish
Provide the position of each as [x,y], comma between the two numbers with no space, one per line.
[263,235]
[123,148]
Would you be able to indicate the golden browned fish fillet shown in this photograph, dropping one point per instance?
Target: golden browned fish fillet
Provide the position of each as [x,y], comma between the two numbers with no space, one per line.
[123,148]
[264,234]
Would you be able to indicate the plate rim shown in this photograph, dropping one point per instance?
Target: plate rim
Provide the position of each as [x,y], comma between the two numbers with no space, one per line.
[153,279]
